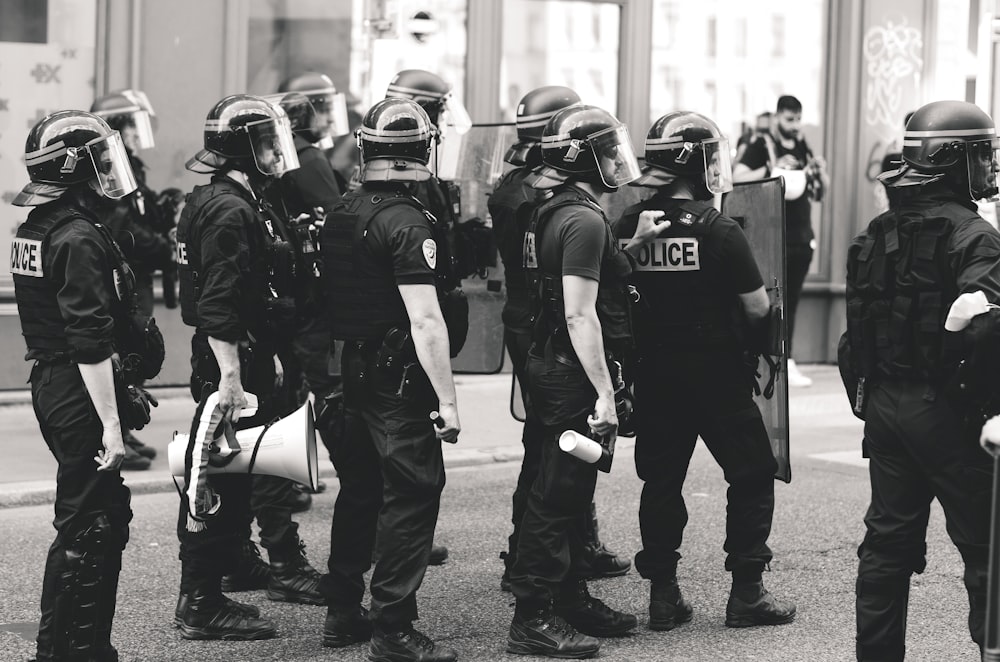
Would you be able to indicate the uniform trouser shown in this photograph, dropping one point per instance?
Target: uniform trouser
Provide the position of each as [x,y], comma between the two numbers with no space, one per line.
[799,258]
[208,554]
[307,368]
[918,450]
[391,476]
[563,488]
[681,395]
[92,514]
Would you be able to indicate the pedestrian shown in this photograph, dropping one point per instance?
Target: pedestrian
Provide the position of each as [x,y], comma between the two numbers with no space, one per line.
[783,150]
[76,301]
[687,325]
[384,277]
[228,264]
[898,361]
[510,207]
[580,336]
[136,221]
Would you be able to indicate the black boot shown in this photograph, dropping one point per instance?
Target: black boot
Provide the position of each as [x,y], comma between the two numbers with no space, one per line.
[293,579]
[541,632]
[597,560]
[251,572]
[667,607]
[183,599]
[407,645]
[207,614]
[751,604]
[142,449]
[589,615]
[439,554]
[346,627]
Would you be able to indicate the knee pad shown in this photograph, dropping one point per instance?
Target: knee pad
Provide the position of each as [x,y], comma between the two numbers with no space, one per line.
[894,552]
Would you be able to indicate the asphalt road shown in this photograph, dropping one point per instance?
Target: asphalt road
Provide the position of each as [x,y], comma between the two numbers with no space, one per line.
[817,527]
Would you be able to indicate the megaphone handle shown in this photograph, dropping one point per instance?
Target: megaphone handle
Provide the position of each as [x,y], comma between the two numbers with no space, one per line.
[437,420]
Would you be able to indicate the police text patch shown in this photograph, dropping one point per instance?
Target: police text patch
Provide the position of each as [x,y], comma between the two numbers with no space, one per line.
[26,257]
[667,254]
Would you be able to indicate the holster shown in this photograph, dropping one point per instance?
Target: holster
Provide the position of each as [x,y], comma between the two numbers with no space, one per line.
[134,402]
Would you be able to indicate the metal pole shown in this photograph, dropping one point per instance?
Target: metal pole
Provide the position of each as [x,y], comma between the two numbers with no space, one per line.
[991,650]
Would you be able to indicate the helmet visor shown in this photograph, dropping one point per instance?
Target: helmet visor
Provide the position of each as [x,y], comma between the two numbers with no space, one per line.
[143,130]
[114,172]
[455,116]
[981,160]
[615,158]
[273,146]
[718,165]
[332,108]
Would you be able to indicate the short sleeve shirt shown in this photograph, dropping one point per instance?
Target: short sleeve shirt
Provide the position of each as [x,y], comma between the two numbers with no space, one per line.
[574,242]
[403,235]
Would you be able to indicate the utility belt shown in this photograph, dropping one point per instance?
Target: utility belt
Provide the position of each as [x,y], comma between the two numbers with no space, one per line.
[205,372]
[394,356]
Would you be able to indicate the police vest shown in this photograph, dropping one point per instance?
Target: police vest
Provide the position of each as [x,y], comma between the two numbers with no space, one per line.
[680,302]
[202,204]
[36,292]
[510,209]
[899,290]
[545,288]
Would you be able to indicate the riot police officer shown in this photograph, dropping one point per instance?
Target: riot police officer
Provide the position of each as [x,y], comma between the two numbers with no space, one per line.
[510,206]
[693,282]
[383,276]
[136,221]
[76,302]
[580,336]
[226,261]
[903,273]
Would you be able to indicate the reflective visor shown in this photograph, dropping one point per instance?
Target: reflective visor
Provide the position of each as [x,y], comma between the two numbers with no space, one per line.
[614,156]
[114,173]
[334,108]
[718,165]
[455,115]
[273,146]
[143,130]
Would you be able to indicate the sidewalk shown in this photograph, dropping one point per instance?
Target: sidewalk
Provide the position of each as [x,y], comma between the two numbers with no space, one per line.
[489,433]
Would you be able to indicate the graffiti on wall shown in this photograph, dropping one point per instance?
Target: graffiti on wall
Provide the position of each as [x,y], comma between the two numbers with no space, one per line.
[893,62]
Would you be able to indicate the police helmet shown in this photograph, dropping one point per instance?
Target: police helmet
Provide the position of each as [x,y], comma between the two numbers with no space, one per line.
[434,96]
[588,144]
[946,138]
[688,145]
[74,147]
[130,113]
[241,128]
[535,110]
[329,106]
[395,138]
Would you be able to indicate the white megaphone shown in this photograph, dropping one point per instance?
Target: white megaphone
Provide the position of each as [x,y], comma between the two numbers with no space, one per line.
[287,448]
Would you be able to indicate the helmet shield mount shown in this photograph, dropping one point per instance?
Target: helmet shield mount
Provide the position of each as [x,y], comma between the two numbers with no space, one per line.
[273,146]
[111,165]
[615,158]
[718,165]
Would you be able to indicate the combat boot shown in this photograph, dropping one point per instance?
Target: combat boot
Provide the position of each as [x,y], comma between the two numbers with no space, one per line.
[346,627]
[183,599]
[294,580]
[589,615]
[208,615]
[251,571]
[142,449]
[540,632]
[751,604]
[597,560]
[407,645]
[667,607]
[439,554]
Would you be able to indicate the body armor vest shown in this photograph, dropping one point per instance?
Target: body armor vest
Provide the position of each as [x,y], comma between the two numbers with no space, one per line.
[203,203]
[899,290]
[42,324]
[681,302]
[509,206]
[545,289]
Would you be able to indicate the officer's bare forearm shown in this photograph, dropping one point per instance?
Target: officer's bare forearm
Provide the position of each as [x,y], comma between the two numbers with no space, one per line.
[586,336]
[227,355]
[430,338]
[99,379]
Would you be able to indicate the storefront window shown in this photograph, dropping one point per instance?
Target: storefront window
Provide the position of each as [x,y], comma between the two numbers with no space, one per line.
[559,42]
[47,48]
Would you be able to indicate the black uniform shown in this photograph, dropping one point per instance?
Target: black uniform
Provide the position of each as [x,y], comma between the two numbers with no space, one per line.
[571,237]
[73,292]
[224,262]
[391,472]
[903,274]
[690,380]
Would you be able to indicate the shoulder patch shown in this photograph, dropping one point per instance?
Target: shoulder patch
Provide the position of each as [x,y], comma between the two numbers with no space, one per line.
[686,218]
[26,257]
[430,249]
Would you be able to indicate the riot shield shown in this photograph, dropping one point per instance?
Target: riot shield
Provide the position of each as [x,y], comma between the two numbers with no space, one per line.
[474,162]
[759,207]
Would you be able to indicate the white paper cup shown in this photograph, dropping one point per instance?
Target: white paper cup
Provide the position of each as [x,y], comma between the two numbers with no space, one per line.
[580,446]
